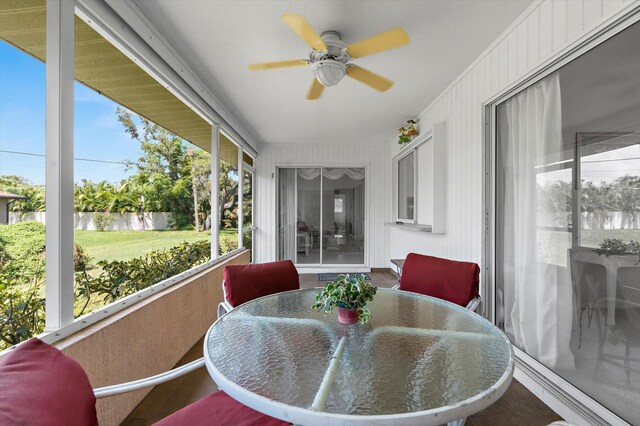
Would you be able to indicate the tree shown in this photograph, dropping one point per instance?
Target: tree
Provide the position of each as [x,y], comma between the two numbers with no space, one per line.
[201,180]
[555,198]
[168,179]
[627,189]
[228,196]
[106,197]
[35,201]
[163,172]
[228,193]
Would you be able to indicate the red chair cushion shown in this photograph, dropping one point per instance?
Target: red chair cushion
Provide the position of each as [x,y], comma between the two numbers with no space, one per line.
[456,282]
[39,385]
[247,282]
[219,409]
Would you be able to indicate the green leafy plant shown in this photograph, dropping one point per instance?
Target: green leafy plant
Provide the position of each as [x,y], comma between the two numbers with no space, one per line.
[122,278]
[227,244]
[21,313]
[612,246]
[22,252]
[615,246]
[22,247]
[346,292]
[102,221]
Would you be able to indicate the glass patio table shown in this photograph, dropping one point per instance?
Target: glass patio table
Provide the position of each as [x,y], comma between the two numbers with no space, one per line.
[418,361]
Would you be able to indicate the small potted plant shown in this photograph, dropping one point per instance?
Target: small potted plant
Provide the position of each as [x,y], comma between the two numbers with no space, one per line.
[350,295]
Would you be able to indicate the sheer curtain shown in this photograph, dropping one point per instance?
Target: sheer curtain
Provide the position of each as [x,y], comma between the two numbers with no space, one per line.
[537,293]
[287,214]
[332,173]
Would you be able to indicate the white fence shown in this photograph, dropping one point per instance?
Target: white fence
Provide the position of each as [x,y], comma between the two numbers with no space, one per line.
[121,221]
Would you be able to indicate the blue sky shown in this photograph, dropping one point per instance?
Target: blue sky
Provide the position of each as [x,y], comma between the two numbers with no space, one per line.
[97,133]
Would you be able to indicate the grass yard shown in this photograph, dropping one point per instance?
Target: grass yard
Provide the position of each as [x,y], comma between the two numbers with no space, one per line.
[124,245]
[594,237]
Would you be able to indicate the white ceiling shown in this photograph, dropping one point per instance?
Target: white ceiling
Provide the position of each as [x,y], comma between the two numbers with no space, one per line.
[220,38]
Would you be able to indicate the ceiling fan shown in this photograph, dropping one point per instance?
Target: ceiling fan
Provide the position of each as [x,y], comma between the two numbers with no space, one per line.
[330,58]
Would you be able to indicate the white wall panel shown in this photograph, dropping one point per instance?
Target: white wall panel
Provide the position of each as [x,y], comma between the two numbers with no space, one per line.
[543,30]
[377,196]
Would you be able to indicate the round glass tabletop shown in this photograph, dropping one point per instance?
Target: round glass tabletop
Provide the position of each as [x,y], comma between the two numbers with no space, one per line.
[419,360]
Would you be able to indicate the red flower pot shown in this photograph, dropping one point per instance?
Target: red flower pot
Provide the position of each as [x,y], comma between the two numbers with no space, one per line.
[347,316]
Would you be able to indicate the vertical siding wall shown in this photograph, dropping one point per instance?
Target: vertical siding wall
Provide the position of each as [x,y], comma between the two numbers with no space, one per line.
[543,30]
[378,187]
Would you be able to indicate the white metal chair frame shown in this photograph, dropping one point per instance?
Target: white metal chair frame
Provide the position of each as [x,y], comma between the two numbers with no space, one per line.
[606,332]
[472,305]
[135,385]
[224,306]
[166,376]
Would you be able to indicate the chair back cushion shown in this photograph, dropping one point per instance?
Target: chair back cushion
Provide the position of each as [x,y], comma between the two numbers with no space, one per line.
[39,385]
[219,409]
[456,282]
[247,282]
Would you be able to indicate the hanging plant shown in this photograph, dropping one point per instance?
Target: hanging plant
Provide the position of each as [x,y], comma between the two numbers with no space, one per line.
[402,136]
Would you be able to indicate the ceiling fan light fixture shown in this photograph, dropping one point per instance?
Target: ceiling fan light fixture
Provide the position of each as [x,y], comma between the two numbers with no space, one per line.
[329,72]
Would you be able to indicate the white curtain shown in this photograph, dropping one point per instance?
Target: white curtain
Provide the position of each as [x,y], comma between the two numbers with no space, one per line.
[537,293]
[287,225]
[331,173]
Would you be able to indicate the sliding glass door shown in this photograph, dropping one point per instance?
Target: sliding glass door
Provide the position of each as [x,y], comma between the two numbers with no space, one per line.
[568,222]
[308,183]
[321,215]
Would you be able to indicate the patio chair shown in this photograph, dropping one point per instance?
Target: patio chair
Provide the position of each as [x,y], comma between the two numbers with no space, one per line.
[242,283]
[626,330]
[450,280]
[40,385]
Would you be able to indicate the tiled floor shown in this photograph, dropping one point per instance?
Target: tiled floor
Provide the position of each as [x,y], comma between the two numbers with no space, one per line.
[518,406]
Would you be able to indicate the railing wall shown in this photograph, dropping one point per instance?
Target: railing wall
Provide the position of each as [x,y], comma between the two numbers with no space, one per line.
[148,338]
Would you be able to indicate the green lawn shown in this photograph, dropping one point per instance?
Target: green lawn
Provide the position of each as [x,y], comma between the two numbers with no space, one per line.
[124,245]
[594,237]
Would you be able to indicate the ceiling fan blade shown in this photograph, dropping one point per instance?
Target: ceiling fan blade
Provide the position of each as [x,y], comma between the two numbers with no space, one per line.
[280,64]
[391,39]
[315,91]
[300,26]
[370,79]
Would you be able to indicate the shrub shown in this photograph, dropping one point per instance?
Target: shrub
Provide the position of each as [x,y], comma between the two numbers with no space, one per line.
[227,244]
[122,278]
[102,221]
[180,222]
[22,251]
[21,313]
[80,258]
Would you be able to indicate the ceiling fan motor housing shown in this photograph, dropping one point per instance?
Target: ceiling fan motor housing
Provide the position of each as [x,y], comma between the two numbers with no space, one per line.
[329,67]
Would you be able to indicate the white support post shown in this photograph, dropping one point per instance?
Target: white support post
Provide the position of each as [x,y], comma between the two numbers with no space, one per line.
[240,197]
[59,163]
[215,190]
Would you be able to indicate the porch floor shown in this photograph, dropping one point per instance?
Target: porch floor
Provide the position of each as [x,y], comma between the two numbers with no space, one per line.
[517,406]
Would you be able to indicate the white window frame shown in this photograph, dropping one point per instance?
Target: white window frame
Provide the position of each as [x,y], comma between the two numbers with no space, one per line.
[396,181]
[555,391]
[247,168]
[324,267]
[59,144]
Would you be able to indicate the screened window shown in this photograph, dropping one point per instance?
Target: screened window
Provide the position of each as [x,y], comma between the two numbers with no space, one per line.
[406,188]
